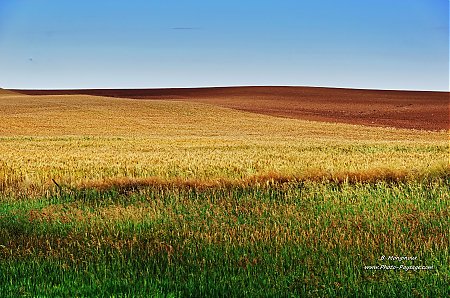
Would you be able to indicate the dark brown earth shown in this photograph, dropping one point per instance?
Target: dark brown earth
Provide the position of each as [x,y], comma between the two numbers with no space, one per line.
[402,109]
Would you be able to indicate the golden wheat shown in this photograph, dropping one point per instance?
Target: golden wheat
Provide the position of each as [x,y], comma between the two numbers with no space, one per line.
[78,139]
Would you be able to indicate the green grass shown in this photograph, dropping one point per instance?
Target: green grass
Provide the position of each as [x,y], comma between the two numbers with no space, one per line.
[291,239]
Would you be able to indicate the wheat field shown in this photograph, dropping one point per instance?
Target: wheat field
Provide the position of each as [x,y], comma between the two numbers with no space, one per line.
[80,139]
[133,198]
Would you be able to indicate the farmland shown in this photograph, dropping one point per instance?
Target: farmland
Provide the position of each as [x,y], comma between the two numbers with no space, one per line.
[135,197]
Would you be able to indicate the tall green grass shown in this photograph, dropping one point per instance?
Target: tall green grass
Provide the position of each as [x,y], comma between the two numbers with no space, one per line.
[283,239]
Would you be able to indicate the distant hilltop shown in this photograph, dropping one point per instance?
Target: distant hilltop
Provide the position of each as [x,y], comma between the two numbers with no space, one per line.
[426,110]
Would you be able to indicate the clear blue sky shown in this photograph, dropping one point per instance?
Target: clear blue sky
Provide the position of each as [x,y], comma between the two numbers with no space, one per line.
[376,44]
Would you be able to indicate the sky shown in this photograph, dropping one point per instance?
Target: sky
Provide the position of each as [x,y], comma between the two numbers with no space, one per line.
[370,44]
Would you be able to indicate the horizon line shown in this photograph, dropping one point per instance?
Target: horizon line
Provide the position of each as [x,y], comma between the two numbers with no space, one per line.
[225,86]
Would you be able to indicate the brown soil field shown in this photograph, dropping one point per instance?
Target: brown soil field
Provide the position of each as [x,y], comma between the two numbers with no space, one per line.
[6,92]
[424,110]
